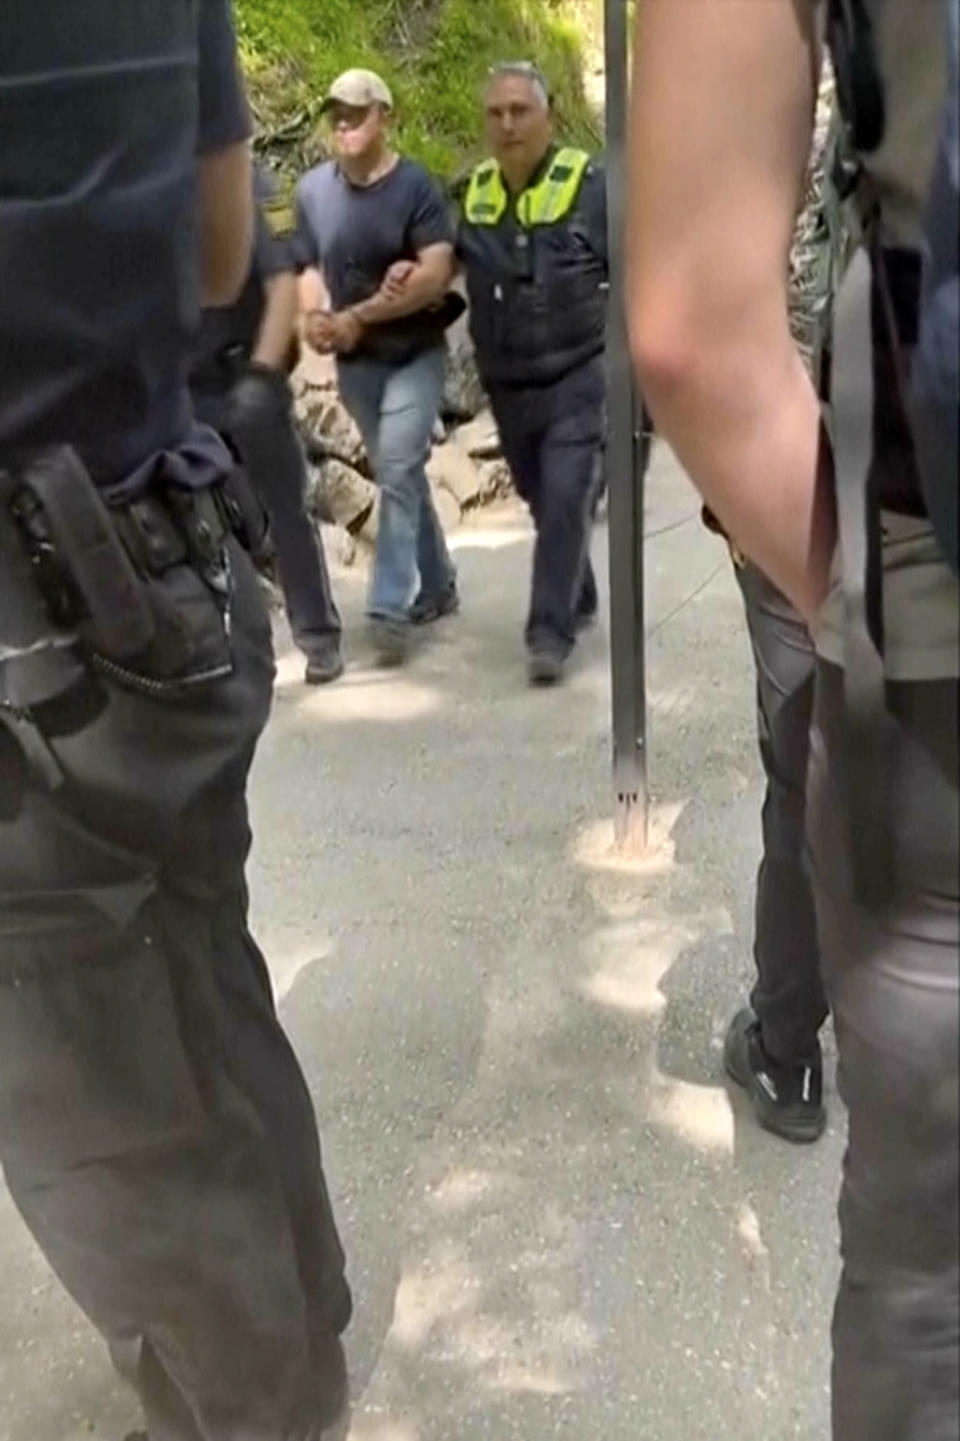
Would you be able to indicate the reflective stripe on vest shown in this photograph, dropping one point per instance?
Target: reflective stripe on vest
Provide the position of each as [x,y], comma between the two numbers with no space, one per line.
[546,203]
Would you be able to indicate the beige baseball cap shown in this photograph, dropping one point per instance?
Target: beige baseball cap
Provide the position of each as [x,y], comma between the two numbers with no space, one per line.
[360,89]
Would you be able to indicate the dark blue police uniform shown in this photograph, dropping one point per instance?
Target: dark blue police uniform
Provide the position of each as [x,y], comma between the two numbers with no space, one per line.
[251,404]
[156,1132]
[536,268]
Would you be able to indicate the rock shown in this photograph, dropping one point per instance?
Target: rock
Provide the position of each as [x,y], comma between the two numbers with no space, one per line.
[463,394]
[447,509]
[336,492]
[480,437]
[339,546]
[450,468]
[495,480]
[313,372]
[270,590]
[368,530]
[329,429]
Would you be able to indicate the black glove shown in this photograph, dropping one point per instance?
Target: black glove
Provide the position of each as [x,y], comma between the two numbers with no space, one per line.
[258,398]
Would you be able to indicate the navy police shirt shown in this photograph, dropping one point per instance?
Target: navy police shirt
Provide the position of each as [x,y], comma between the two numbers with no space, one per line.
[104,108]
[234,328]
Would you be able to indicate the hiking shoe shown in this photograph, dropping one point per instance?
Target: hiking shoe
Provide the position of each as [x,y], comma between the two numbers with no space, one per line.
[787,1100]
[391,641]
[428,608]
[324,666]
[546,661]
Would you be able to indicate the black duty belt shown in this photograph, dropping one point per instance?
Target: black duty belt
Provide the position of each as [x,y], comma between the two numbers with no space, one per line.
[175,528]
[76,570]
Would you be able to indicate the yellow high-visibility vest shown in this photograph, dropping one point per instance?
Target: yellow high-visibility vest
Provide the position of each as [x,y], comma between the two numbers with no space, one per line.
[546,203]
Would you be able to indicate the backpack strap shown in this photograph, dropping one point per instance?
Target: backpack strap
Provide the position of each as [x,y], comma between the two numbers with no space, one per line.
[869,726]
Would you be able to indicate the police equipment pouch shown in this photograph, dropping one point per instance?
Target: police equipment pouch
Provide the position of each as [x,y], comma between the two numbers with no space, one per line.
[38,658]
[75,548]
[140,592]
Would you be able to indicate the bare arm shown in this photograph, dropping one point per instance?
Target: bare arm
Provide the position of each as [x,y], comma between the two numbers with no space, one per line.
[226,222]
[313,291]
[426,284]
[722,114]
[277,323]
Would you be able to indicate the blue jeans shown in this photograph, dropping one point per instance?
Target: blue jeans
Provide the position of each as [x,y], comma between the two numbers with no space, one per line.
[396,408]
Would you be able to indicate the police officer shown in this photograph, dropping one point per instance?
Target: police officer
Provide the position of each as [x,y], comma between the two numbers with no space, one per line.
[533,246]
[156,1132]
[239,384]
[708,312]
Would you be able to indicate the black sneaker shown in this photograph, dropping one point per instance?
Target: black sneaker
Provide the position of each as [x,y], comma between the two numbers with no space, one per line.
[391,641]
[546,660]
[788,1100]
[428,608]
[323,667]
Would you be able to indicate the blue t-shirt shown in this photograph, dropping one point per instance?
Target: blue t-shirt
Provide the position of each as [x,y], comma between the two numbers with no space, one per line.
[104,107]
[354,234]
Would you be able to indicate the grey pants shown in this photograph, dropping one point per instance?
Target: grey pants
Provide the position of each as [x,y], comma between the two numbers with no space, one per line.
[155,1129]
[893,986]
[788,997]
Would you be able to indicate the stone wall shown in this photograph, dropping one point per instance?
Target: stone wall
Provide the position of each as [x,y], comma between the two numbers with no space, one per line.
[466,467]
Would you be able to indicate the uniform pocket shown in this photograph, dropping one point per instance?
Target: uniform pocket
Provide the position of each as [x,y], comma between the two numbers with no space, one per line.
[192,642]
[92,1065]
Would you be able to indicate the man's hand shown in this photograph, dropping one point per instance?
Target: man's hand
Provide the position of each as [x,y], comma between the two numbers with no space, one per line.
[333,332]
[396,278]
[317,330]
[345,332]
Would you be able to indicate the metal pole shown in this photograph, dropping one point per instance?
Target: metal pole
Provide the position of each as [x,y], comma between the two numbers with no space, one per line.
[627,447]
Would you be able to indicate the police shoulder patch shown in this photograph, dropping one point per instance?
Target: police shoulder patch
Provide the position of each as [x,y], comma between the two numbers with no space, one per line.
[280,217]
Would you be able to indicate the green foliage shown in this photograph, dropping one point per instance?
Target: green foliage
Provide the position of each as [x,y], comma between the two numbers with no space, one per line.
[435,54]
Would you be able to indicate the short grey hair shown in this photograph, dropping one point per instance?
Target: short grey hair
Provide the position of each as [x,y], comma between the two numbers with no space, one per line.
[527,70]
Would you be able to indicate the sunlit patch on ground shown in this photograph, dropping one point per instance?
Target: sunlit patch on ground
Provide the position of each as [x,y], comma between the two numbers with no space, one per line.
[286,967]
[700,1115]
[631,959]
[595,848]
[363,694]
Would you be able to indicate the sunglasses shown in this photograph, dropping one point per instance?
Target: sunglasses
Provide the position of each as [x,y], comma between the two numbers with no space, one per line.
[526,68]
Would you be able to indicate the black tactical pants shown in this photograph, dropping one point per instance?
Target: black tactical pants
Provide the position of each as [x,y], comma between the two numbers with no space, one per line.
[155,1128]
[552,436]
[274,462]
[893,986]
[788,998]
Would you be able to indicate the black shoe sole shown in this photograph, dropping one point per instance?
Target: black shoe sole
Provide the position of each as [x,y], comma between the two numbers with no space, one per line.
[545,669]
[323,675]
[391,644]
[435,610]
